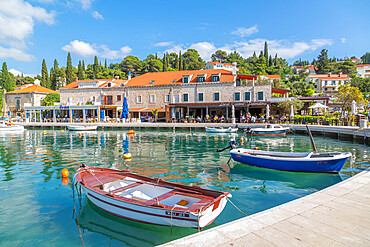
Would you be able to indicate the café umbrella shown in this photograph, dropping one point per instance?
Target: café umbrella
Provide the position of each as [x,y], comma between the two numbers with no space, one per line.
[125,109]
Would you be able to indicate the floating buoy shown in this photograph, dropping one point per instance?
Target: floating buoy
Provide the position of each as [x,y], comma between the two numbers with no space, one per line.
[79,134]
[127,156]
[131,132]
[45,131]
[241,140]
[65,181]
[62,130]
[65,173]
[131,135]
[256,148]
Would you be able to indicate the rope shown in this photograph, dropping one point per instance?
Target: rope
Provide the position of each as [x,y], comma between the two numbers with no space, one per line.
[236,206]
[171,222]
[200,211]
[78,224]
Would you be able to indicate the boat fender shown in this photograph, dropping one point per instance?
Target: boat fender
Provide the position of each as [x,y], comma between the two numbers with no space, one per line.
[65,173]
[127,156]
[131,132]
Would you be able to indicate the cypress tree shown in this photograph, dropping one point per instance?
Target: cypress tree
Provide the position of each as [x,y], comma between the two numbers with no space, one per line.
[6,81]
[168,61]
[52,76]
[44,75]
[261,54]
[83,66]
[184,67]
[177,62]
[56,75]
[270,61]
[276,60]
[95,67]
[80,73]
[164,60]
[105,64]
[254,55]
[180,61]
[266,54]
[69,69]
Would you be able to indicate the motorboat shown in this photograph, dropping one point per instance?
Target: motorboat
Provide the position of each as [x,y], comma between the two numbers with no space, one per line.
[331,162]
[82,127]
[221,130]
[150,200]
[9,126]
[268,130]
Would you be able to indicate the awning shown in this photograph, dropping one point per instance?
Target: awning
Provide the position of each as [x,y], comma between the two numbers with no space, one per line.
[280,90]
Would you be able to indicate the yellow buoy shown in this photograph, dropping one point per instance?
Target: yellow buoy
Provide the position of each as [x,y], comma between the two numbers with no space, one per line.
[65,173]
[241,140]
[62,130]
[131,132]
[127,156]
[45,131]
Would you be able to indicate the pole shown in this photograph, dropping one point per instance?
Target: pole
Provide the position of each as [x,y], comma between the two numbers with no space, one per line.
[312,142]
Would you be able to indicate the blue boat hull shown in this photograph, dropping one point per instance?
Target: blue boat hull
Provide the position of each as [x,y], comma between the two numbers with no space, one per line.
[331,166]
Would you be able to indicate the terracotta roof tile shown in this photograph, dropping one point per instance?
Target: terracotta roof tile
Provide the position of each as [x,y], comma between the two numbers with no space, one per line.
[271,76]
[34,88]
[74,84]
[227,64]
[175,77]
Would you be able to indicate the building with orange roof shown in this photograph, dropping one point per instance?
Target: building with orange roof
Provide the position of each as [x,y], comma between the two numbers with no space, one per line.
[173,93]
[363,70]
[219,65]
[328,83]
[26,95]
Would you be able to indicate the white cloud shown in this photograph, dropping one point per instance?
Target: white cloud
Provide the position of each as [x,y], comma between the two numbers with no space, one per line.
[162,44]
[243,32]
[343,40]
[283,48]
[80,48]
[84,49]
[15,54]
[84,4]
[17,20]
[16,72]
[97,15]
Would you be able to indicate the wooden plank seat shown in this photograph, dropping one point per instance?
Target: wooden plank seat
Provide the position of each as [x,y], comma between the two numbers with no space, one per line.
[127,187]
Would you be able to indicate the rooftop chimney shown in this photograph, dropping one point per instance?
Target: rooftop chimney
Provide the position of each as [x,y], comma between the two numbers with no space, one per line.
[234,68]
[129,76]
[76,79]
[117,77]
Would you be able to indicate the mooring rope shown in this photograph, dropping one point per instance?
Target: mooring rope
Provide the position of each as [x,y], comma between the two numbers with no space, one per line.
[236,206]
[78,224]
[171,222]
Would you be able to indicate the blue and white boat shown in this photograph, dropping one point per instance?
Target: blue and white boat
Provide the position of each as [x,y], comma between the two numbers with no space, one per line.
[298,162]
[268,130]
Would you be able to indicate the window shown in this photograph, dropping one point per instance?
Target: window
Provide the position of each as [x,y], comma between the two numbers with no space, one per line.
[185,97]
[18,106]
[260,96]
[200,97]
[176,98]
[109,84]
[247,96]
[108,100]
[119,98]
[201,78]
[215,78]
[138,99]
[167,98]
[151,82]
[216,96]
[326,83]
[152,98]
[237,96]
[185,79]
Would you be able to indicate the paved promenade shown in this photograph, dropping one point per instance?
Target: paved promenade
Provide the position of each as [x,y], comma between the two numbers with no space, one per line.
[336,216]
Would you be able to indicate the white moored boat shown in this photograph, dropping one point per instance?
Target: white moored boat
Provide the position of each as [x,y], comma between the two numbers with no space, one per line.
[82,127]
[221,130]
[150,200]
[8,126]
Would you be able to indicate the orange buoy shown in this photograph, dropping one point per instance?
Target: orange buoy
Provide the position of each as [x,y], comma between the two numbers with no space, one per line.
[256,148]
[80,135]
[131,132]
[131,135]
[127,156]
[65,173]
[65,181]
[241,140]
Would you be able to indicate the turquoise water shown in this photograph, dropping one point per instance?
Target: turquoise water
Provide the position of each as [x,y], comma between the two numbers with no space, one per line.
[38,210]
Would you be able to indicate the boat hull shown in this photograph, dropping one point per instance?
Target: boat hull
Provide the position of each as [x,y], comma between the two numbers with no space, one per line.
[216,130]
[12,128]
[268,131]
[82,128]
[153,215]
[296,164]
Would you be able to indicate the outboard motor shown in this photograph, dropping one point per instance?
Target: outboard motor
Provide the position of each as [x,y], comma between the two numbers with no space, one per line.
[233,144]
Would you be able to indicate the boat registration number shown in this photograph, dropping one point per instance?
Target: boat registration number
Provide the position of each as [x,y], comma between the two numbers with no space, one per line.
[176,214]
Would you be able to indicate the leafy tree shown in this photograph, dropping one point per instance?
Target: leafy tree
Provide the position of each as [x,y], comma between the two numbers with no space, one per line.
[7,79]
[366,58]
[44,75]
[192,60]
[323,62]
[96,67]
[69,69]
[164,61]
[180,61]
[301,88]
[153,64]
[285,106]
[55,76]
[362,83]
[132,64]
[105,63]
[346,67]
[346,94]
[51,98]
[260,66]
[219,56]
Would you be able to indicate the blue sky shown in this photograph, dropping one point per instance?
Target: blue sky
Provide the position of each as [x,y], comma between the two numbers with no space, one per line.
[32,30]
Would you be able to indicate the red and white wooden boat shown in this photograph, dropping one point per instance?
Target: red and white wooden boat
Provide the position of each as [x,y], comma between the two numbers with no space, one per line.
[150,200]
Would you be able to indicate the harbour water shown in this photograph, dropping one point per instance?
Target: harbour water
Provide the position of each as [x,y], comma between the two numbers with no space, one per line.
[37,209]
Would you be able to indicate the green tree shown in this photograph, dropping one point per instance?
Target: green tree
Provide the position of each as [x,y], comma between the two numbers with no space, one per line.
[192,60]
[366,58]
[362,83]
[55,76]
[266,54]
[69,69]
[105,63]
[51,98]
[6,80]
[259,67]
[153,64]
[285,106]
[164,61]
[44,75]
[346,94]
[132,64]
[96,66]
[180,61]
[219,56]
[323,62]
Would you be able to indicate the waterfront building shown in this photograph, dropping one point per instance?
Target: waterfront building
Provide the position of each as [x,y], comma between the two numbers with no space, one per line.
[24,96]
[269,78]
[328,83]
[363,70]
[219,65]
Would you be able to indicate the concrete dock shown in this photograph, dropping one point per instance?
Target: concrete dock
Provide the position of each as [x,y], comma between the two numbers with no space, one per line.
[336,216]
